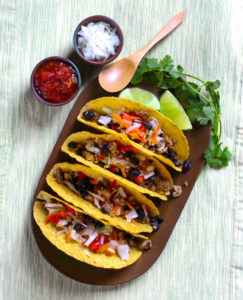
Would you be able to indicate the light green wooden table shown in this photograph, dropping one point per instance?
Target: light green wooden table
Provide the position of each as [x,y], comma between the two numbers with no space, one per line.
[204,256]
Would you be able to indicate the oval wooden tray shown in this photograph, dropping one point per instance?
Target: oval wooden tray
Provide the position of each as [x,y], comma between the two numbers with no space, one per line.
[198,139]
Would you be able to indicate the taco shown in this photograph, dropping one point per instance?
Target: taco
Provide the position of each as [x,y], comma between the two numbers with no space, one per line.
[148,130]
[117,158]
[85,238]
[103,198]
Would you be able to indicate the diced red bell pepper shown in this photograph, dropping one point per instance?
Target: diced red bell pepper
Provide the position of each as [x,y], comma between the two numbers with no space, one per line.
[139,179]
[147,208]
[96,244]
[112,168]
[70,209]
[124,149]
[61,214]
[113,127]
[100,157]
[81,175]
[141,128]
[113,184]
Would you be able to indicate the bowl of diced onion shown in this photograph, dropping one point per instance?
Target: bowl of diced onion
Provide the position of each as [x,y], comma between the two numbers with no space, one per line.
[98,40]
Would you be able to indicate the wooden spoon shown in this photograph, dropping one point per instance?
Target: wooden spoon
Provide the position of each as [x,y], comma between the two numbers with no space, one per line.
[117,75]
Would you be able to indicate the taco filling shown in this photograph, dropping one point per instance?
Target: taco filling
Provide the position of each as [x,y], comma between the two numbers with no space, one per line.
[139,126]
[123,160]
[108,196]
[90,233]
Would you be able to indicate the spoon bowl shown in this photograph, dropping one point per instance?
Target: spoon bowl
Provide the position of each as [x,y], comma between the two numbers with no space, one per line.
[116,76]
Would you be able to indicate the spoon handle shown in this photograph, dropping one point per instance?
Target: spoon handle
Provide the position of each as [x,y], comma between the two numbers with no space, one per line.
[173,23]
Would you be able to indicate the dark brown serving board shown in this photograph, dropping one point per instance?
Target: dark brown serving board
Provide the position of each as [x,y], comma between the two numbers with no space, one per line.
[198,139]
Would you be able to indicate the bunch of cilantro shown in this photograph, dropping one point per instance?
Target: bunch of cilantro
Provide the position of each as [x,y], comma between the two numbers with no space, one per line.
[201,101]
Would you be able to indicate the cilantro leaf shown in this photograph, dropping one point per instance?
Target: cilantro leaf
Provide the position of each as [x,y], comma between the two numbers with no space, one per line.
[207,114]
[215,156]
[164,75]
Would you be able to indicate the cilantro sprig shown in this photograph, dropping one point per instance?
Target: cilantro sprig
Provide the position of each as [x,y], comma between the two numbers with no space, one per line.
[201,99]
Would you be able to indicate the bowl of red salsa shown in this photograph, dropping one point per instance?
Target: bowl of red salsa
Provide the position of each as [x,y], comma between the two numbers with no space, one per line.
[55,81]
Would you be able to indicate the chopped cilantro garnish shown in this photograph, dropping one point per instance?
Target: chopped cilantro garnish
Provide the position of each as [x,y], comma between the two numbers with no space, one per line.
[199,107]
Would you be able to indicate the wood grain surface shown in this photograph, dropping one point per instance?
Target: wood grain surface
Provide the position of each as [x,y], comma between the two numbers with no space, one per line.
[204,256]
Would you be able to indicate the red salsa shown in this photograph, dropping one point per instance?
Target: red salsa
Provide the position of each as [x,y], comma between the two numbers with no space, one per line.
[55,81]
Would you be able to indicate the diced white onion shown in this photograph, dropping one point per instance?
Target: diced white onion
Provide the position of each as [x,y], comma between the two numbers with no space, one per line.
[62,223]
[119,211]
[131,215]
[104,120]
[121,192]
[52,205]
[96,196]
[113,244]
[134,126]
[60,232]
[91,239]
[96,203]
[123,251]
[76,236]
[102,238]
[154,124]
[85,251]
[94,149]
[87,231]
[98,41]
[70,185]
[145,210]
[146,176]
[161,147]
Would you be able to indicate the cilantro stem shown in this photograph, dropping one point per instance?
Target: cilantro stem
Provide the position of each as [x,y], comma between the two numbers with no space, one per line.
[218,125]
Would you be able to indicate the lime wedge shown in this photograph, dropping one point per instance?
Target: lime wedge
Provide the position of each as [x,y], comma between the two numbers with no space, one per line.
[142,96]
[172,109]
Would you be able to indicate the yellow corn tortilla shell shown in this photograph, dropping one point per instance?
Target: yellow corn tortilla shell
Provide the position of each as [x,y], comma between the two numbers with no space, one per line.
[81,137]
[168,127]
[76,251]
[71,197]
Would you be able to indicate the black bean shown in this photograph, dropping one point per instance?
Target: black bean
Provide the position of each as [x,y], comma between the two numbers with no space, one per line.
[177,163]
[80,152]
[171,154]
[134,160]
[127,235]
[152,178]
[147,125]
[89,219]
[128,154]
[134,172]
[160,219]
[103,210]
[126,208]
[118,172]
[140,213]
[98,224]
[88,115]
[72,145]
[186,166]
[154,224]
[84,182]
[100,184]
[83,193]
[165,154]
[105,149]
[78,227]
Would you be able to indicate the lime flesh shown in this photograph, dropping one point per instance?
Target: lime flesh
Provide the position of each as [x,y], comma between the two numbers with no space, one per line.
[172,109]
[142,96]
